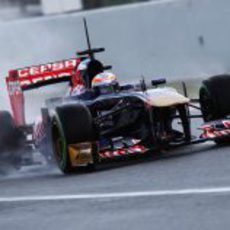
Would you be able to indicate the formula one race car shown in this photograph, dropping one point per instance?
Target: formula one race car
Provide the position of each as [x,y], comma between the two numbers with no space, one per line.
[101,119]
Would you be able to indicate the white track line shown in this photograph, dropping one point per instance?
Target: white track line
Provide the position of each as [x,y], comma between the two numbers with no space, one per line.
[198,191]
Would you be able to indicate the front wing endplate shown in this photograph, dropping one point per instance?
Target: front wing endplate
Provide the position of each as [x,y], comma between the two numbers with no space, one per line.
[81,154]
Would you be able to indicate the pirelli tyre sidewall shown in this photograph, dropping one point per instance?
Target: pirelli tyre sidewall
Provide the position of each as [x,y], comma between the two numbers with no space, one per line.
[60,145]
[71,124]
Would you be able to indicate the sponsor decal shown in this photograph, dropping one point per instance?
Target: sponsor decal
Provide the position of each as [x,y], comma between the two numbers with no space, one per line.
[136,149]
[34,74]
[51,67]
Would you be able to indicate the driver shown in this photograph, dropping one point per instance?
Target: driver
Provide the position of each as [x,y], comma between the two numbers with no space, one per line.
[102,83]
[105,83]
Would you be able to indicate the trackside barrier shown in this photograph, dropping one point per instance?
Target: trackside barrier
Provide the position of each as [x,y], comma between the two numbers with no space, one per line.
[174,39]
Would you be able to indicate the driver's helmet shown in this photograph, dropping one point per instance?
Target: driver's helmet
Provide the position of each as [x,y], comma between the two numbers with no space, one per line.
[105,83]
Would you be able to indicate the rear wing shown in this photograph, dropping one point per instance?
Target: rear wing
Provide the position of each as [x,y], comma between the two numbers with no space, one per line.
[33,77]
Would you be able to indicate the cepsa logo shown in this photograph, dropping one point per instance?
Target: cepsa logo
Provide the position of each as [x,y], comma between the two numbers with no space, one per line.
[35,74]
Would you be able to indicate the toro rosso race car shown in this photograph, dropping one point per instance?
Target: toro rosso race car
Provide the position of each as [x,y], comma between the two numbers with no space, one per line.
[100,119]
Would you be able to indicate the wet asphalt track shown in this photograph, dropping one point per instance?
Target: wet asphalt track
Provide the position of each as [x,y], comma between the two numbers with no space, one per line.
[187,188]
[196,167]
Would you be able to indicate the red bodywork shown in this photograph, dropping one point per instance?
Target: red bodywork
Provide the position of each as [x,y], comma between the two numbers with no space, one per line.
[36,76]
[216,129]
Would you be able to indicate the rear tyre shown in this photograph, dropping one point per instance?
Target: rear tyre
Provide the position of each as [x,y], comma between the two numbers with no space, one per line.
[7,129]
[10,140]
[72,124]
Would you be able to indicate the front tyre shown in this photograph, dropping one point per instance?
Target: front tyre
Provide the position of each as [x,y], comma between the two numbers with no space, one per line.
[215,100]
[215,97]
[72,125]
